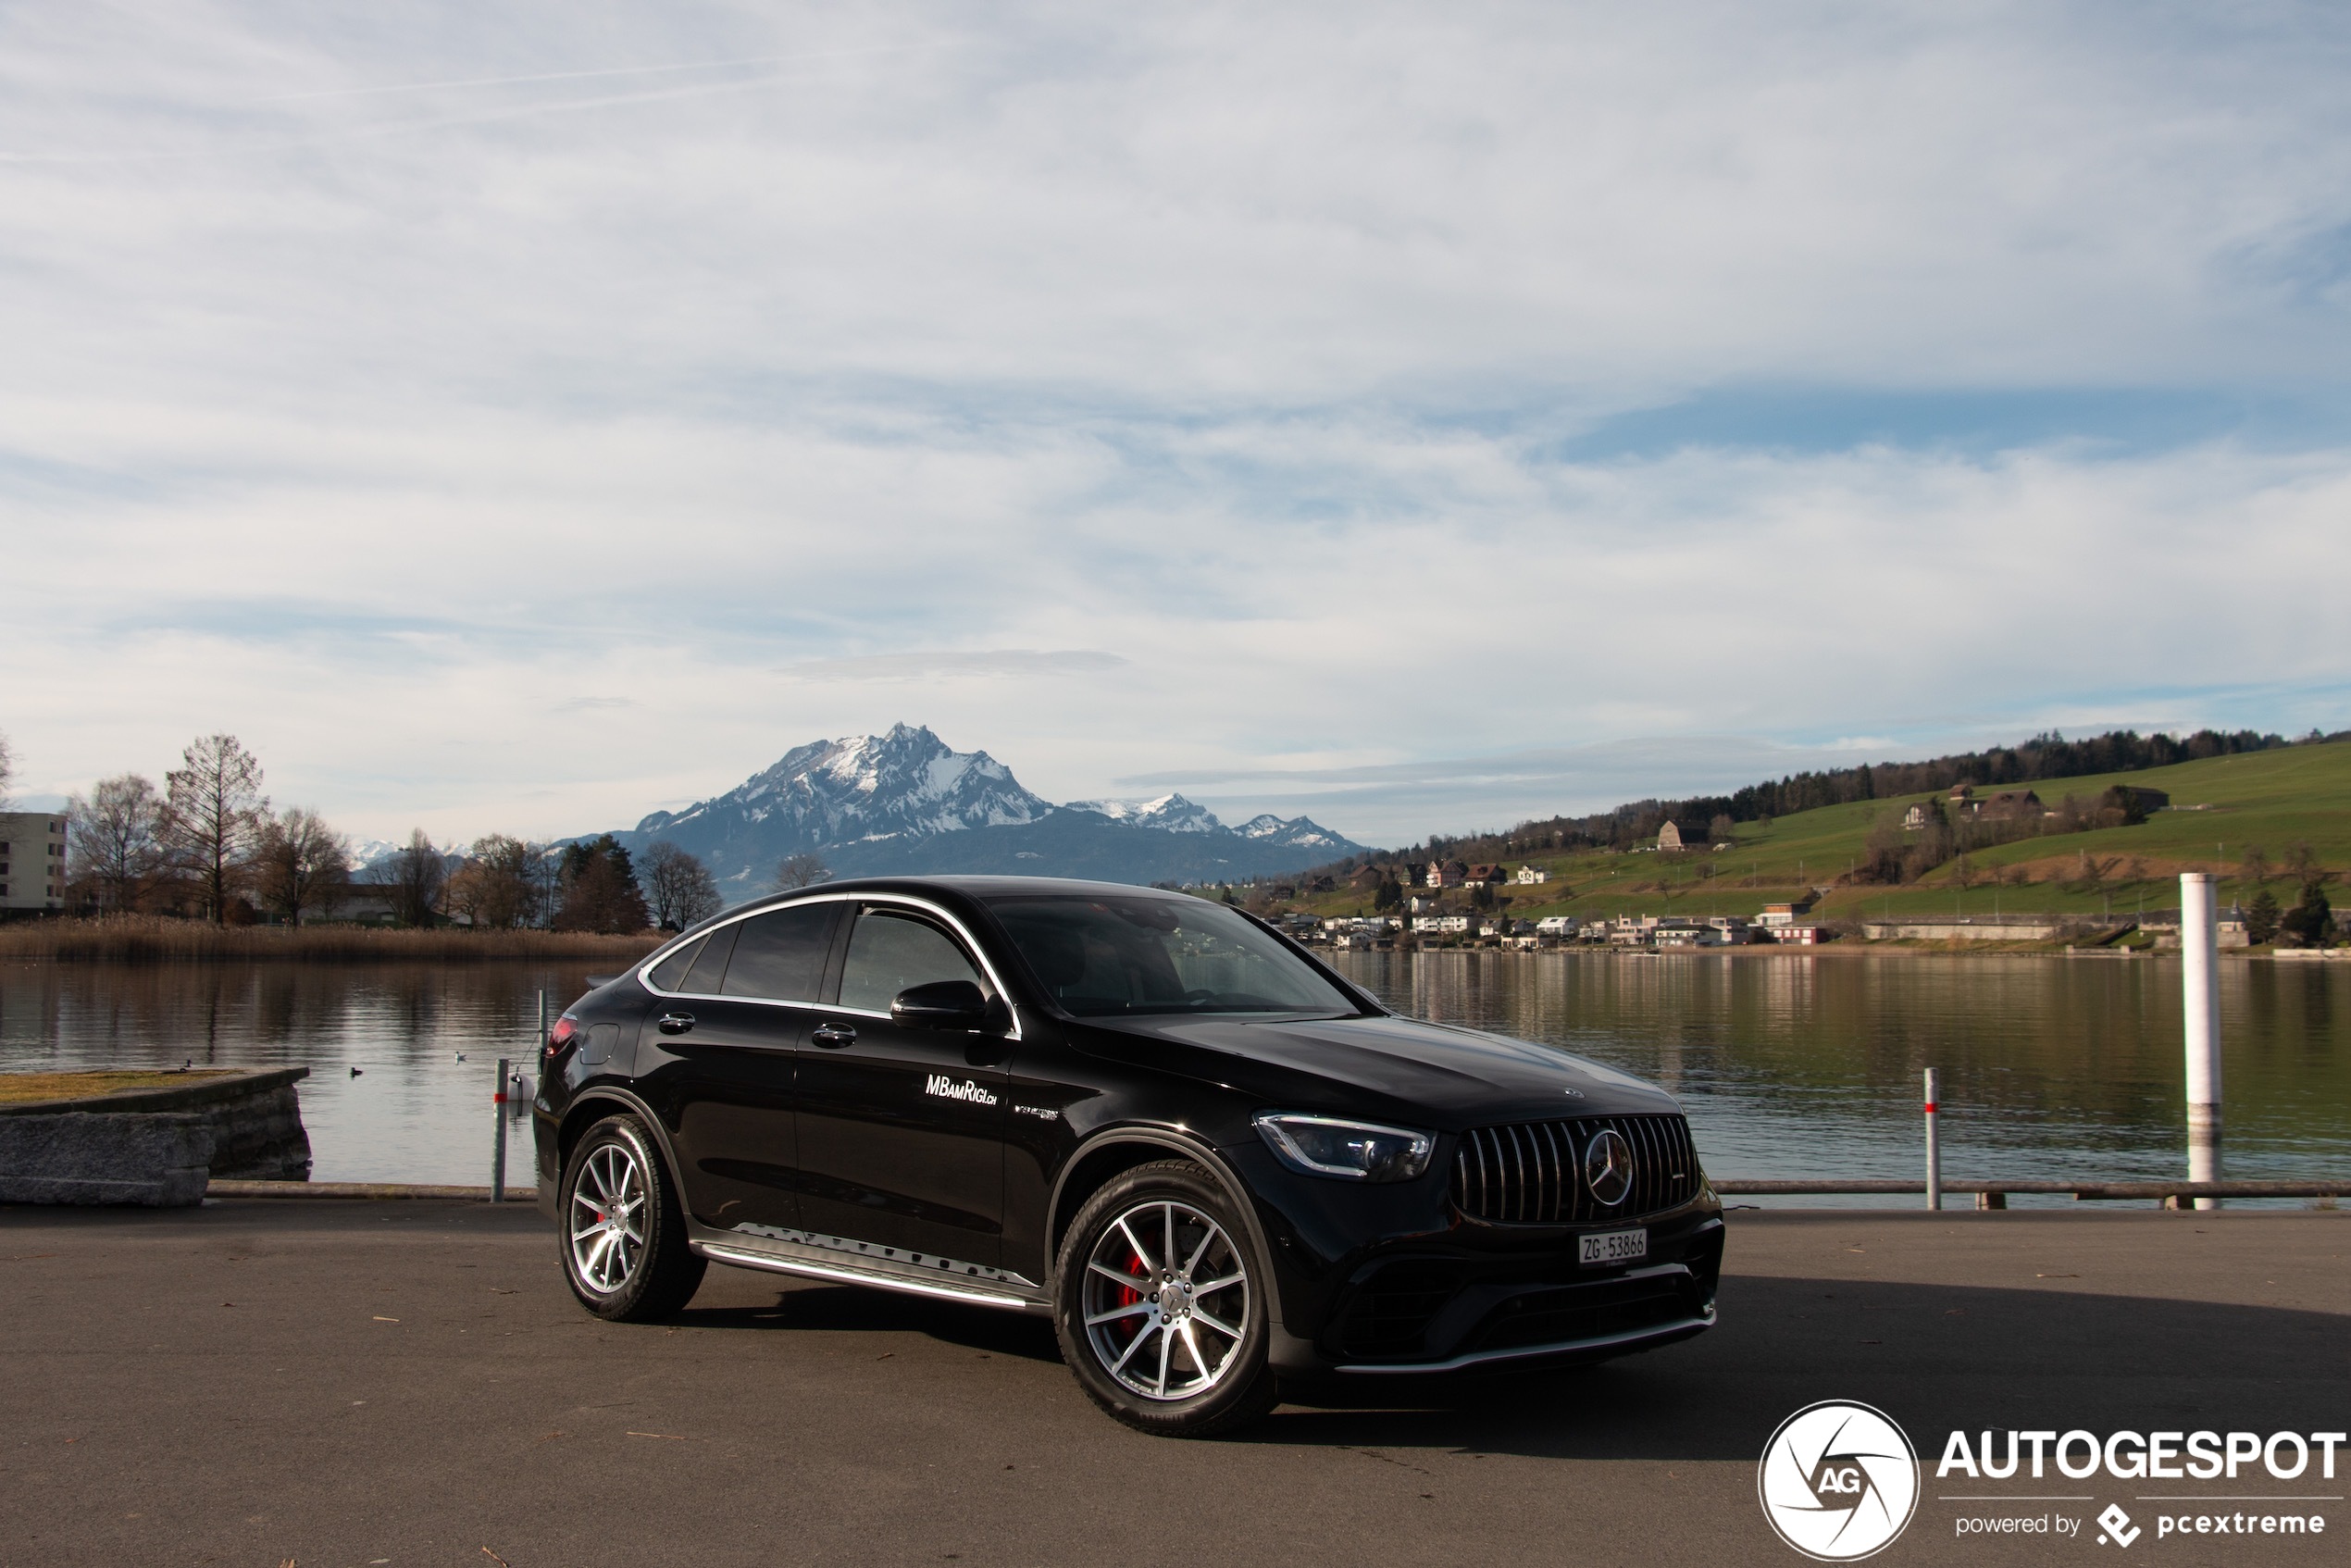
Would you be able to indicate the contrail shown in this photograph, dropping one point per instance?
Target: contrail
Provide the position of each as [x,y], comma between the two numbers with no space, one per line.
[441,122]
[585,75]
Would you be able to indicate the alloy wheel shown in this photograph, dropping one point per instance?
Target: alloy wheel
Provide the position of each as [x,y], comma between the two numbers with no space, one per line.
[608,1217]
[1165,1300]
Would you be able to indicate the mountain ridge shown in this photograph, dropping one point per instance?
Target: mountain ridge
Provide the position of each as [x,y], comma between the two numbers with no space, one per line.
[906,803]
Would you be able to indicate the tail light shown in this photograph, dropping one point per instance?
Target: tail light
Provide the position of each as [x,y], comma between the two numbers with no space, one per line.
[559,1038]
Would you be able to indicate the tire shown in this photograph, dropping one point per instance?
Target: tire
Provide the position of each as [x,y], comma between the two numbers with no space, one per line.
[1197,1370]
[627,1261]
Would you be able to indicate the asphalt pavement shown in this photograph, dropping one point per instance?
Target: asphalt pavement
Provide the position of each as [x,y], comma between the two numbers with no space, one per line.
[388,1384]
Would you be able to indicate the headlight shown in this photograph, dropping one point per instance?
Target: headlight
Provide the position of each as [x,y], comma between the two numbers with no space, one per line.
[1350,1150]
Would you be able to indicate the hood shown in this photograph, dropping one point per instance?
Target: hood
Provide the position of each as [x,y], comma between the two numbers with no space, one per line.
[1399,1069]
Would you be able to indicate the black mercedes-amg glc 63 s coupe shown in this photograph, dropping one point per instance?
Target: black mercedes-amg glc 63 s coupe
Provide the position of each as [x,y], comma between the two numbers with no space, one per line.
[1216,1164]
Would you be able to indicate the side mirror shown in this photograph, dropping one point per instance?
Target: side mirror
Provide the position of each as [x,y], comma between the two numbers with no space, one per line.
[943,1004]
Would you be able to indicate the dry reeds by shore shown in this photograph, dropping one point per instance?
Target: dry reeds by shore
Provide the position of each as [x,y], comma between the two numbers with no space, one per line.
[152,939]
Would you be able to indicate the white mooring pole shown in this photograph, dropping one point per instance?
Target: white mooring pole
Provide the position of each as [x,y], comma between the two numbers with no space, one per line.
[498,1157]
[2200,953]
[1933,1149]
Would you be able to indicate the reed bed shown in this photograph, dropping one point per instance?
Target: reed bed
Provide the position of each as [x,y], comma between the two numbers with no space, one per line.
[151,939]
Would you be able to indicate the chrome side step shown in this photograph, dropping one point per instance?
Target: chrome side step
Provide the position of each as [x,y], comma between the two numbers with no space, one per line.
[842,1273]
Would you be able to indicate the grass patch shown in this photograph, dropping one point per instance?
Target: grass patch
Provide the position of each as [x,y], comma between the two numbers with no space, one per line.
[151,939]
[15,1088]
[2298,794]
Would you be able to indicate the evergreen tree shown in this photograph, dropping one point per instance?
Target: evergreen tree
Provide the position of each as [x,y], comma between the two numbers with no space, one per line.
[2261,918]
[2311,922]
[600,891]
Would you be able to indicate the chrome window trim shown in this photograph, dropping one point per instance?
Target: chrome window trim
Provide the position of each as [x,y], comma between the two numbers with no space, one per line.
[643,972]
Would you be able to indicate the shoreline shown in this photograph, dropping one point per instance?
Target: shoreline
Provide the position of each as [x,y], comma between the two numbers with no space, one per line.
[158,940]
[1848,949]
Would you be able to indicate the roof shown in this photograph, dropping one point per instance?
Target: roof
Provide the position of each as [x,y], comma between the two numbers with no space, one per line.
[979,888]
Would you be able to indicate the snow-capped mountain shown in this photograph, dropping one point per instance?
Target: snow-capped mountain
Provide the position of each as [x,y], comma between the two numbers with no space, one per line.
[1302,832]
[907,802]
[908,783]
[366,852]
[1171,814]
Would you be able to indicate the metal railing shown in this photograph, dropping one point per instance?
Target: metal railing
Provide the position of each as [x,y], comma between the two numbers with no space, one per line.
[1994,1194]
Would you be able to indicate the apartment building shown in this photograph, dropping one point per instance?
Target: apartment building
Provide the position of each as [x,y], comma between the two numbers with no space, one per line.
[32,859]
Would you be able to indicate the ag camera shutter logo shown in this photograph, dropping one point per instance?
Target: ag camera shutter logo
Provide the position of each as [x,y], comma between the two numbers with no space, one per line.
[1839,1481]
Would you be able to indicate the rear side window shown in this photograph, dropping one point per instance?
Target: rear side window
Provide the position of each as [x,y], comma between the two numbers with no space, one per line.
[780,954]
[888,952]
[669,971]
[703,978]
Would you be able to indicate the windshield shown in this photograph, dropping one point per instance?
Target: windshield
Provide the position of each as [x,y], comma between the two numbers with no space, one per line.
[1100,956]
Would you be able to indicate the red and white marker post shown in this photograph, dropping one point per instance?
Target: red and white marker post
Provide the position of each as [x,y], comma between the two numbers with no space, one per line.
[1933,1149]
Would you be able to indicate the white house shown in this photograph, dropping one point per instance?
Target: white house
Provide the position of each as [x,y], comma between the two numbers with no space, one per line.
[1530,875]
[1557,926]
[32,859]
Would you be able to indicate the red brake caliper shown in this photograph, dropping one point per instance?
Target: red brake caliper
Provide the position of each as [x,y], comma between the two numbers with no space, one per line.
[1127,1294]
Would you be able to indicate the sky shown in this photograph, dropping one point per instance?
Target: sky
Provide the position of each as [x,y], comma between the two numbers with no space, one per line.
[521,418]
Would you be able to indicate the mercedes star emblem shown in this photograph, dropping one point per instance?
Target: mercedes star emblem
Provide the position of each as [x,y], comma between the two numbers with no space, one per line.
[1608,1168]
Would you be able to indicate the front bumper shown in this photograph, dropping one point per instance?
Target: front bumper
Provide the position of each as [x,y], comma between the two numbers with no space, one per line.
[1393,1279]
[1485,1317]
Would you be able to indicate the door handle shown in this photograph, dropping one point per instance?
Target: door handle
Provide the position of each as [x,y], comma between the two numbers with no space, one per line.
[674,1022]
[832,1036]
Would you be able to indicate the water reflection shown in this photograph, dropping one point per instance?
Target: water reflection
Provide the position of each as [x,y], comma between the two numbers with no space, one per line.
[1790,1065]
[1806,1065]
[413,1113]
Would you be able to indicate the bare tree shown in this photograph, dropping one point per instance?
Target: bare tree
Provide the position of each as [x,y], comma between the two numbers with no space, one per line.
[413,876]
[546,884]
[213,813]
[2255,864]
[116,841]
[802,870]
[8,769]
[1963,873]
[300,865]
[679,886]
[495,886]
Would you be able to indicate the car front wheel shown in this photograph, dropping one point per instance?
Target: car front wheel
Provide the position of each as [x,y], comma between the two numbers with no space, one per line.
[1161,1304]
[624,1235]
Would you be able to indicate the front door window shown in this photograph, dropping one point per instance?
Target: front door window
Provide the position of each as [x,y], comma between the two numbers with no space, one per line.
[891,952]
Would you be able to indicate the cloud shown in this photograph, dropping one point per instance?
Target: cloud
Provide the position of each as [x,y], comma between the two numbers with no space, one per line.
[946,664]
[1560,389]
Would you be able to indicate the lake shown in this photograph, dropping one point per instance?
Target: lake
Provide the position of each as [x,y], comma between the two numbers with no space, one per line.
[1789,1064]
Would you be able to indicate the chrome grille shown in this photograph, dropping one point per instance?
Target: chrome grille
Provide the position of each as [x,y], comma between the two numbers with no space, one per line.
[1532,1173]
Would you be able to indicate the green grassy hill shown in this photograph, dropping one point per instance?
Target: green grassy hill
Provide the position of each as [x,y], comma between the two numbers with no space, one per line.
[2274,799]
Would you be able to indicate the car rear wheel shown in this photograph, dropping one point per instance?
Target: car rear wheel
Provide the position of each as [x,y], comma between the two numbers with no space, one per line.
[624,1236]
[1159,1304]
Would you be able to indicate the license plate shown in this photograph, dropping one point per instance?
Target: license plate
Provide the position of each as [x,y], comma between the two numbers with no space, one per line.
[1612,1245]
